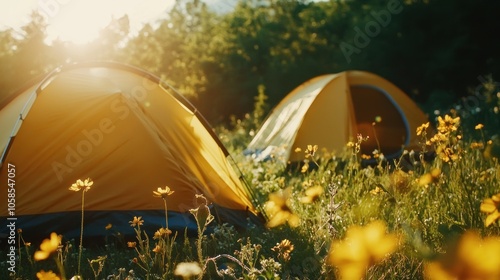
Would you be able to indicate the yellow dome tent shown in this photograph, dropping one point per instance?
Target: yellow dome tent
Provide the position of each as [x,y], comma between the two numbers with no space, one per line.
[130,134]
[331,110]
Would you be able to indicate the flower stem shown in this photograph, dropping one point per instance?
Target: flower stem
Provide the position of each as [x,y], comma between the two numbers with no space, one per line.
[166,213]
[60,267]
[81,235]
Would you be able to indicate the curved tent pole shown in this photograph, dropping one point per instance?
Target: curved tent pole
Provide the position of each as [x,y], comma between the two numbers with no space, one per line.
[20,119]
[16,125]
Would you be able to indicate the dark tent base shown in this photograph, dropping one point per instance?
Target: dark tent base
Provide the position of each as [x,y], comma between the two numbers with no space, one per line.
[35,228]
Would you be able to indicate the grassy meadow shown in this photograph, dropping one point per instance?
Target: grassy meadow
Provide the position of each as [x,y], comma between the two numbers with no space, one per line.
[330,217]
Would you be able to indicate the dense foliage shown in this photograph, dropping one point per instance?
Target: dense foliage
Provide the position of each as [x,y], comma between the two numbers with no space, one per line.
[435,50]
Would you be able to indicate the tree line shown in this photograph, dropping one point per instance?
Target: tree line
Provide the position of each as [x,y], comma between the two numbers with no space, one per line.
[435,50]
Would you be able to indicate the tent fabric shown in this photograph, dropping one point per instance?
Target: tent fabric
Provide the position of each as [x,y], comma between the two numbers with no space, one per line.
[331,110]
[122,128]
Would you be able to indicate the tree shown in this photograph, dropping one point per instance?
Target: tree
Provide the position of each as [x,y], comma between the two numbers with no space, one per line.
[24,55]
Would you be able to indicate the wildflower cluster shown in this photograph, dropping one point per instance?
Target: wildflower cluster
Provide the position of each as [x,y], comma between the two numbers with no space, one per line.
[446,140]
[310,152]
[356,146]
[152,257]
[380,222]
[158,256]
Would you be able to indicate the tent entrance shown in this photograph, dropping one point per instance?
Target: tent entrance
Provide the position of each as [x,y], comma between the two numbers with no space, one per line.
[371,104]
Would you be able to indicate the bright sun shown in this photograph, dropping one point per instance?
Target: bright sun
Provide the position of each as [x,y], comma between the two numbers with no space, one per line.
[80,21]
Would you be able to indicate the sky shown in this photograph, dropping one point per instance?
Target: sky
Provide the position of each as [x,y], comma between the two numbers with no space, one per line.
[79,21]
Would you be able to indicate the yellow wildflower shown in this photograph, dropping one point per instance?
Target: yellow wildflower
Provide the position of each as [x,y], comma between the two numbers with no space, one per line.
[422,128]
[305,167]
[472,258]
[479,126]
[311,150]
[491,206]
[48,247]
[298,150]
[377,154]
[278,209]
[376,191]
[162,232]
[488,152]
[361,248]
[131,244]
[428,178]
[49,275]
[284,249]
[448,124]
[312,194]
[79,185]
[308,183]
[108,226]
[476,145]
[447,154]
[365,156]
[137,221]
[163,193]
[439,138]
[187,269]
[157,249]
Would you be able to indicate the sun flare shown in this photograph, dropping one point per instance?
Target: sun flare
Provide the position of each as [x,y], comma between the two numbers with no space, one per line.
[77,25]
[80,21]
